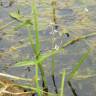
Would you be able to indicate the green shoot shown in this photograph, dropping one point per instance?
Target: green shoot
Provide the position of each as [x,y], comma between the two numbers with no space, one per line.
[76,68]
[62,83]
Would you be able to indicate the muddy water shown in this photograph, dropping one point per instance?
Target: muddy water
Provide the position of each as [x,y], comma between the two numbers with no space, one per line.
[77,17]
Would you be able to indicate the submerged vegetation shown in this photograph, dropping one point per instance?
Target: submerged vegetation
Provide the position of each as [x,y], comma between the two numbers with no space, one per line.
[48,36]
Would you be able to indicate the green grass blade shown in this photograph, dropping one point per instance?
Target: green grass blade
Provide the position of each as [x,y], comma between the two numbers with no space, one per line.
[62,84]
[16,16]
[23,24]
[42,58]
[24,63]
[76,68]
[36,26]
[45,56]
[31,40]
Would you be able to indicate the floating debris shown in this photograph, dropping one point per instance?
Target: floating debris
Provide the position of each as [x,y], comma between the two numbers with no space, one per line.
[56,47]
[82,77]
[13,49]
[86,9]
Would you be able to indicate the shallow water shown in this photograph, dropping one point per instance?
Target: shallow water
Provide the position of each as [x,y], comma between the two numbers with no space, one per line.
[72,17]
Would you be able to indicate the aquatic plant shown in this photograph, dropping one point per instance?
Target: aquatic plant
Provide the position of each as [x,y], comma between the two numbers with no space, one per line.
[32,25]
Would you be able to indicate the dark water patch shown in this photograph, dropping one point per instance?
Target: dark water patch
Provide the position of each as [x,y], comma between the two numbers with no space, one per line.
[65,12]
[83,87]
[68,16]
[4,44]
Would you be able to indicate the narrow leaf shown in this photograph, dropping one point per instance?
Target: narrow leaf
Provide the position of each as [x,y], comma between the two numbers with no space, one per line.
[76,68]
[15,77]
[25,63]
[16,16]
[62,83]
[42,58]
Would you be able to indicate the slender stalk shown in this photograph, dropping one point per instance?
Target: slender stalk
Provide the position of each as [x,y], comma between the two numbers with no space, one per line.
[53,56]
[31,38]
[35,23]
[53,3]
[35,16]
[37,83]
[62,84]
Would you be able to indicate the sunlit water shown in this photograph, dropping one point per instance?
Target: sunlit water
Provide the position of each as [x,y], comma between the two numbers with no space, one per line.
[77,17]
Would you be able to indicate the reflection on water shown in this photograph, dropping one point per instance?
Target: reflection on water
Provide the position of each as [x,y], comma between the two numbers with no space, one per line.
[72,15]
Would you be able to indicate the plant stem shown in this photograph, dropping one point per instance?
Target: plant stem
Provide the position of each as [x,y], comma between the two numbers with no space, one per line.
[62,84]
[36,28]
